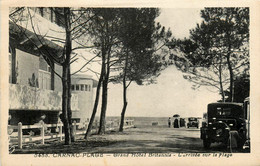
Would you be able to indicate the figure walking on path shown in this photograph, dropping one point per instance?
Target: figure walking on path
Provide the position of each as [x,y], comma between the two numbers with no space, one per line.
[169,122]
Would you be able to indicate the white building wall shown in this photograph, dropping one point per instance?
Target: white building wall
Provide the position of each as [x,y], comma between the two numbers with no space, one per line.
[57,79]
[85,97]
[27,65]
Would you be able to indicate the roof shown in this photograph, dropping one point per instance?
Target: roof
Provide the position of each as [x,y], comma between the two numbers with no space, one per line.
[226,103]
[29,41]
[84,76]
[81,76]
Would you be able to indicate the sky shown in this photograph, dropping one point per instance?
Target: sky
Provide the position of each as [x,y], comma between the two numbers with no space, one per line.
[180,20]
[172,94]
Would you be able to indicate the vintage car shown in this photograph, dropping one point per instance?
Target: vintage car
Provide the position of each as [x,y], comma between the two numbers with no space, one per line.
[193,122]
[226,123]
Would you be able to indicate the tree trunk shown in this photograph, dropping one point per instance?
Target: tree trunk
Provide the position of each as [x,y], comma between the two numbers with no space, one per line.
[69,106]
[231,75]
[121,127]
[231,88]
[65,97]
[96,101]
[102,122]
[220,81]
[66,93]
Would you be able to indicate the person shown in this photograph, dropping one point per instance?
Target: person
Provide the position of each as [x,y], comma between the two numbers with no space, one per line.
[176,123]
[169,122]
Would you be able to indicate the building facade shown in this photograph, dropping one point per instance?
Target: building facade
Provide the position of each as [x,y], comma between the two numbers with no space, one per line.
[34,88]
[83,85]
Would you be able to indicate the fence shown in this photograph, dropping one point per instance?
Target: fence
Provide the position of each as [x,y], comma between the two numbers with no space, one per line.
[47,134]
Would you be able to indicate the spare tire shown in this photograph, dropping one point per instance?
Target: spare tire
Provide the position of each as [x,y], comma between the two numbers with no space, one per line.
[220,131]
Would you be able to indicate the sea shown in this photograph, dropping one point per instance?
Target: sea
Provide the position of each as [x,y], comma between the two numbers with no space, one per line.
[142,121]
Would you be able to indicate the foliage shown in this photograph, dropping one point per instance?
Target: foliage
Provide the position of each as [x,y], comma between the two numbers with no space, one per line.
[33,82]
[142,43]
[138,53]
[241,88]
[216,50]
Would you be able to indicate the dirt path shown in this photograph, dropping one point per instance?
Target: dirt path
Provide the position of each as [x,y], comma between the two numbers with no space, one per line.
[146,139]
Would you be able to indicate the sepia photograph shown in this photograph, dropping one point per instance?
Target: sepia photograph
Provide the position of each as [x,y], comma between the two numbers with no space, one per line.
[128,82]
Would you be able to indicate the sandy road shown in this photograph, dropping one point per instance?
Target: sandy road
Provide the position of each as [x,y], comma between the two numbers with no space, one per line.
[158,139]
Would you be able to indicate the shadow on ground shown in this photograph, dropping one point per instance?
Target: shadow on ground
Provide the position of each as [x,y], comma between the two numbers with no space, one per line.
[149,140]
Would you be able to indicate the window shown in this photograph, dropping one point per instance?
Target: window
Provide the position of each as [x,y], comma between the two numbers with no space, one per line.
[51,15]
[82,87]
[43,65]
[13,65]
[44,79]
[86,87]
[77,87]
[72,87]
[41,11]
[49,68]
[223,111]
[44,74]
[59,17]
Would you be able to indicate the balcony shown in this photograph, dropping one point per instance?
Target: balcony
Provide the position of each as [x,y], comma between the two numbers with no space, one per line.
[22,97]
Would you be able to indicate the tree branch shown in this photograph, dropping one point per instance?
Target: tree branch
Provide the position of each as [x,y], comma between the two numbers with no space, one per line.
[41,53]
[83,47]
[129,84]
[54,58]
[21,8]
[85,64]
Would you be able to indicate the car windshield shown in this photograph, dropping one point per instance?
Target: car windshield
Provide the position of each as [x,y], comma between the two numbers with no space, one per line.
[225,110]
[192,119]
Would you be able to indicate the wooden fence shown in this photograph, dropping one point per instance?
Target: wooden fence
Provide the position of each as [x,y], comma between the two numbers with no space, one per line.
[110,125]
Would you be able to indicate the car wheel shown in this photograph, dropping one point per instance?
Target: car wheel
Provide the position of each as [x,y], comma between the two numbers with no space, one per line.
[206,143]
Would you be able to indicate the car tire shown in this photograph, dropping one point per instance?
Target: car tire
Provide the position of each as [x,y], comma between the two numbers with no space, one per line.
[206,143]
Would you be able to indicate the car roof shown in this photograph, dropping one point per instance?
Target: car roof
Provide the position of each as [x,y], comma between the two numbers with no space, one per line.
[227,103]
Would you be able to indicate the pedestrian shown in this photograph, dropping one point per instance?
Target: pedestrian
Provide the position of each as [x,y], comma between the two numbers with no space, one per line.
[169,122]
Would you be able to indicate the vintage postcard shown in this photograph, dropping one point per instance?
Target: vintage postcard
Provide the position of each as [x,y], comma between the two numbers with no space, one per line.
[129,83]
